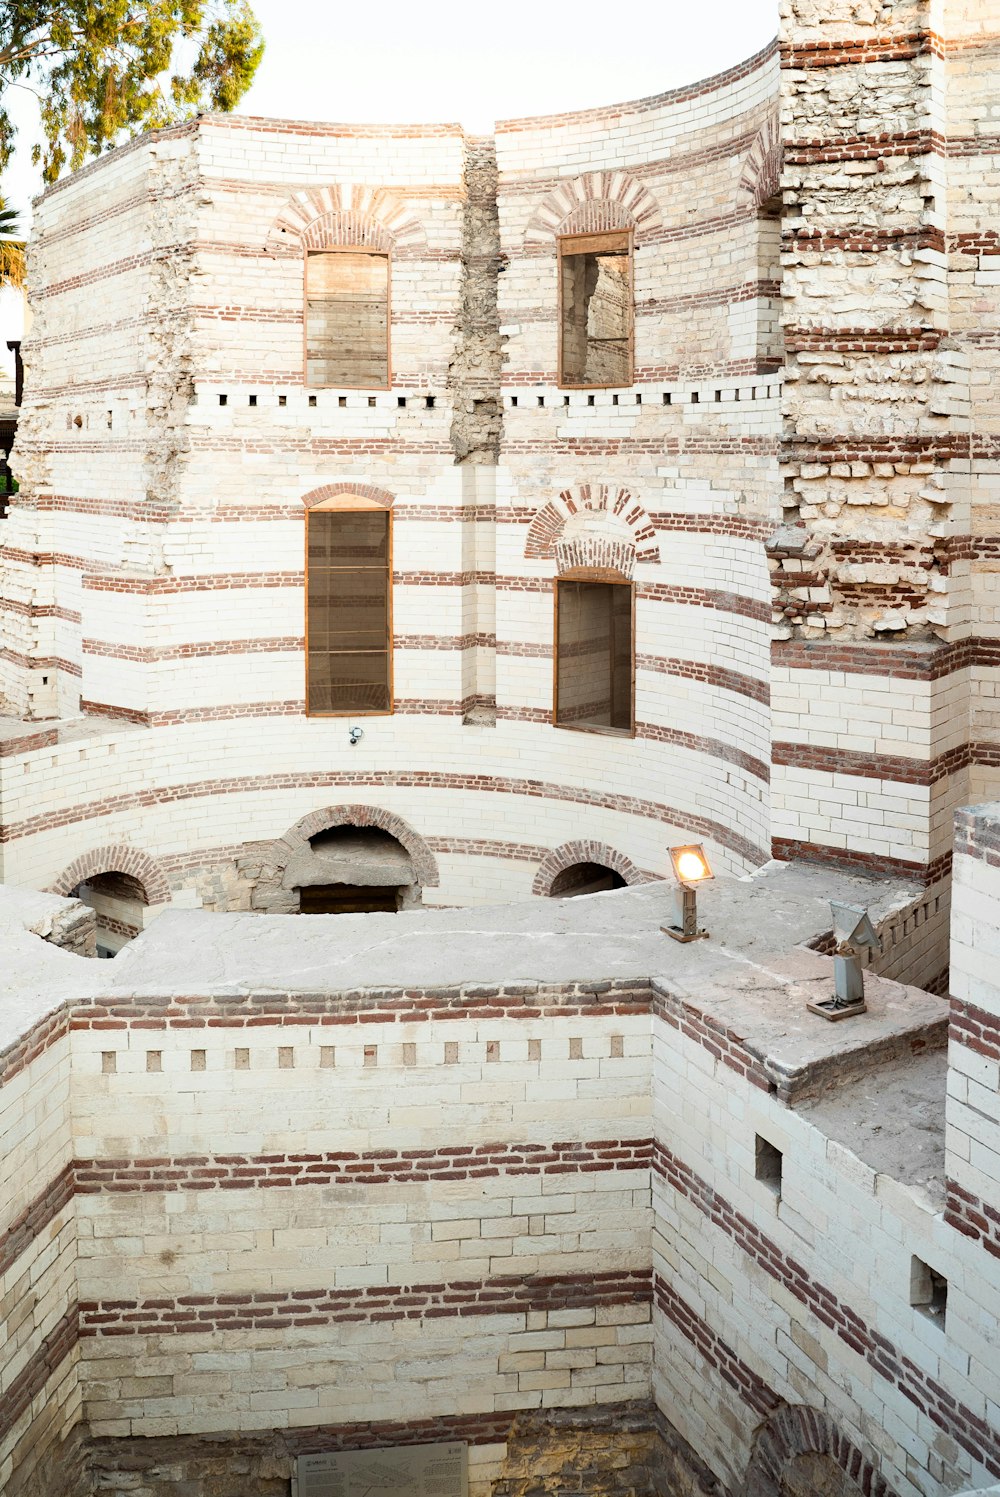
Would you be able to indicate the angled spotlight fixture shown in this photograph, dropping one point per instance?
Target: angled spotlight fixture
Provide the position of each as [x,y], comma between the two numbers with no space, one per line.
[691,868]
[853,933]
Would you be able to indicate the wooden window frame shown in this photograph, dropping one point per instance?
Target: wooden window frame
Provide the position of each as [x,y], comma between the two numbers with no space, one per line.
[347,249]
[591,574]
[582,244]
[354,502]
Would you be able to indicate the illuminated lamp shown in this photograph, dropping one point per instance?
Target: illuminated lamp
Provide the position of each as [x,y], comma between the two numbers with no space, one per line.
[691,868]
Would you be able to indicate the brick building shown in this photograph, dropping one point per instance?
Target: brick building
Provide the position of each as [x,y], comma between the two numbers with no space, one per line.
[408,519]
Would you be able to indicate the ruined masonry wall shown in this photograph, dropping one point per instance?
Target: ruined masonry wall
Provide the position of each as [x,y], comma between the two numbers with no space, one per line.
[885,658]
[157,564]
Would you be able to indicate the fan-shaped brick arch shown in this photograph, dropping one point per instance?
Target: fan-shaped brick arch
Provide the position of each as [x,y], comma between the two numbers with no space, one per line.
[796,1432]
[761,175]
[344,214]
[363,490]
[571,853]
[424,862]
[120,858]
[591,204]
[547,530]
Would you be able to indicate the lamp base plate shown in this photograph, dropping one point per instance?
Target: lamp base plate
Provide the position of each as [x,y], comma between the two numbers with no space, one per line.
[832,1009]
[678,935]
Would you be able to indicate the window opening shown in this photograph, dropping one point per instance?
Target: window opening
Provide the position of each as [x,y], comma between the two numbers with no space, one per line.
[928,1290]
[347,319]
[348,607]
[767,1164]
[595,307]
[595,651]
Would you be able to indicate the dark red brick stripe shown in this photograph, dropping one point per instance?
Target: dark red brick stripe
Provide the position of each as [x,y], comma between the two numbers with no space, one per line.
[170,1173]
[787,849]
[934,1401]
[713,1035]
[706,674]
[360,1006]
[901,46]
[371,1167]
[740,527]
[975,1027]
[33,1220]
[698,743]
[474,1429]
[894,662]
[408,779]
[862,339]
[973,1217]
[287,1310]
[195,649]
[865,147]
[888,448]
[32,1378]
[865,241]
[828,759]
[16,1057]
[40,662]
[714,1350]
[705,597]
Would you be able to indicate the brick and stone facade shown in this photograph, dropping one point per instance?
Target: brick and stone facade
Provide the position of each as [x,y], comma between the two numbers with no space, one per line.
[534,1209]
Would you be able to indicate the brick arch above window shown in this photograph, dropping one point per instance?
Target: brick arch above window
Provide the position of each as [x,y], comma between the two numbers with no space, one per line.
[296,839]
[592,204]
[593,525]
[572,853]
[345,214]
[761,175]
[118,858]
[796,1431]
[327,491]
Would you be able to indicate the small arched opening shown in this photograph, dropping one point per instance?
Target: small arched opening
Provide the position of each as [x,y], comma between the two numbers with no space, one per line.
[585,878]
[119,903]
[352,870]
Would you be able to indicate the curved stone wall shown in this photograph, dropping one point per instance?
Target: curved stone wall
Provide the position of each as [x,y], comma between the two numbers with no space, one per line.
[153,560]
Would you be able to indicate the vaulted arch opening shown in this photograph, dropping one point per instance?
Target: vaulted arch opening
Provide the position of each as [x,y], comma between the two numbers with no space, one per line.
[353,870]
[119,903]
[585,878]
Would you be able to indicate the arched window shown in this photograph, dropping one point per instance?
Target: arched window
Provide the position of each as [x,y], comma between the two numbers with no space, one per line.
[595,309]
[348,607]
[594,651]
[347,319]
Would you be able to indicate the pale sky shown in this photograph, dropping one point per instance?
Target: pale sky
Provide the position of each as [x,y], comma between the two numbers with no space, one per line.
[397,61]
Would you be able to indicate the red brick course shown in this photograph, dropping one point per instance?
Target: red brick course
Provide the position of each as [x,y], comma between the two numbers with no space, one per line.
[411,779]
[286,1310]
[971,1432]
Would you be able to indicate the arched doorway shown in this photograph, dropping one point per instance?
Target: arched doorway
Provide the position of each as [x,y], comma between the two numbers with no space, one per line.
[585,878]
[350,870]
[119,903]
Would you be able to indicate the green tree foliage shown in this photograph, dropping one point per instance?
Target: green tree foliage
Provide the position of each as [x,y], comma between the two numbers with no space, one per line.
[11,248]
[104,68]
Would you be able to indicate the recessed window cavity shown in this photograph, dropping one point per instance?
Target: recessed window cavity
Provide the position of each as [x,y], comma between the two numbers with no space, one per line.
[347,319]
[348,607]
[595,309]
[767,1164]
[594,637]
[928,1291]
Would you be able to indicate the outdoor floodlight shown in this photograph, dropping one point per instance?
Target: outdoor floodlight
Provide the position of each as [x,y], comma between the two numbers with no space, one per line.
[691,868]
[853,933]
